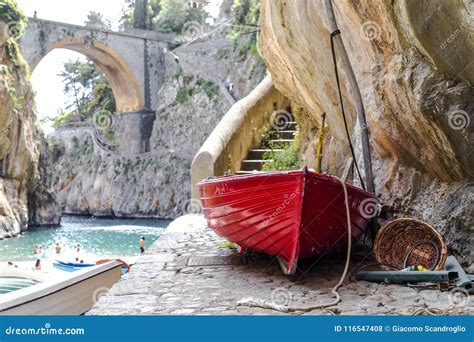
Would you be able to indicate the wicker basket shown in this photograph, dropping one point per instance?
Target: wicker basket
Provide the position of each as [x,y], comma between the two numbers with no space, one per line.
[408,242]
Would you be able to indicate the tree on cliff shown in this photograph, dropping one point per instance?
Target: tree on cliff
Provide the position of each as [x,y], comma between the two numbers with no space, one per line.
[140,14]
[97,20]
[84,84]
[246,15]
[160,15]
[87,89]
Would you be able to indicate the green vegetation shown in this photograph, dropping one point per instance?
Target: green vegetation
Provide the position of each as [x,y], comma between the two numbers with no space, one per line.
[88,91]
[286,159]
[246,13]
[12,16]
[169,16]
[97,20]
[228,244]
[208,87]
[14,23]
[184,94]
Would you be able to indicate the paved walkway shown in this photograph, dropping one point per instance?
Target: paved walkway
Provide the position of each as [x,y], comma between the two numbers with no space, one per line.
[189,271]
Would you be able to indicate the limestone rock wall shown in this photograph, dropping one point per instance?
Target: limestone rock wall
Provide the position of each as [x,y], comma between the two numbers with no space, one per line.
[91,183]
[191,102]
[20,174]
[413,63]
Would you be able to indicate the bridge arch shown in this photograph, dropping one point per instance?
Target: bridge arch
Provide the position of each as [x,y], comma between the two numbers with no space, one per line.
[132,61]
[122,80]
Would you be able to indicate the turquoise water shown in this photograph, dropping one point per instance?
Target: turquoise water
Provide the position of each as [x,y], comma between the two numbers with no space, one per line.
[9,284]
[99,238]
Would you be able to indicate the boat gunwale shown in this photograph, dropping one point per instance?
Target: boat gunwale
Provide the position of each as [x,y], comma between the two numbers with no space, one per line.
[237,178]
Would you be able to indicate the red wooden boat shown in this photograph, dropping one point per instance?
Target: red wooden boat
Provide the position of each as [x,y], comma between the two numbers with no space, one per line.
[289,214]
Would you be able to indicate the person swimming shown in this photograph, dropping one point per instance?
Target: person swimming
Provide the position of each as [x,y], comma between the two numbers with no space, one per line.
[58,248]
[142,245]
[35,249]
[78,248]
[38,265]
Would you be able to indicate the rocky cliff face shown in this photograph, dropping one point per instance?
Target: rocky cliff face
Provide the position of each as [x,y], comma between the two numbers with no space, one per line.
[413,63]
[21,176]
[191,102]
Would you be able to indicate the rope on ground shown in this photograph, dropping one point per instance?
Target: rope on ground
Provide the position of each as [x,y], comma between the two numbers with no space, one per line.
[260,303]
[430,311]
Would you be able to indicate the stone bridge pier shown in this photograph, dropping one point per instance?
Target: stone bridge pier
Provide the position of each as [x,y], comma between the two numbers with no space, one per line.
[132,61]
[129,125]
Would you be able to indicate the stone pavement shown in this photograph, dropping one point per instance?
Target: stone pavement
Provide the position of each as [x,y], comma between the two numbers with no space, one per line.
[189,271]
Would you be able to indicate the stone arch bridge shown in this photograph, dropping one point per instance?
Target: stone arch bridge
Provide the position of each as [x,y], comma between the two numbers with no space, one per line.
[132,61]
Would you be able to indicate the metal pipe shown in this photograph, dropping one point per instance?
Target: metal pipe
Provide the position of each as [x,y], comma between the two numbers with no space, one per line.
[452,264]
[407,276]
[356,96]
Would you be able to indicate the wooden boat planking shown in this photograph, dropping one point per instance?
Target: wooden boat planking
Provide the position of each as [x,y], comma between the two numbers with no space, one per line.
[288,214]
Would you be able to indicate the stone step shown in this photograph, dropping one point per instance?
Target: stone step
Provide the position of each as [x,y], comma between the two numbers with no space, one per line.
[286,126]
[276,143]
[286,134]
[253,164]
[257,153]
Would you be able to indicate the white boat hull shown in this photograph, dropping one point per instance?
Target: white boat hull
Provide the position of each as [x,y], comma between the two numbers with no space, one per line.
[73,295]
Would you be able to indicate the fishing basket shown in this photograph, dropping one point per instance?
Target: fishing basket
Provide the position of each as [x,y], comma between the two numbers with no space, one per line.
[408,242]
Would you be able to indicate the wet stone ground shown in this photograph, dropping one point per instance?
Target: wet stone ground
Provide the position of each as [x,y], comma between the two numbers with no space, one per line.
[189,272]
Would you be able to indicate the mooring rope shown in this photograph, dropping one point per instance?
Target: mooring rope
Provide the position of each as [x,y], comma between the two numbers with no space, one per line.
[260,303]
[333,52]
[430,311]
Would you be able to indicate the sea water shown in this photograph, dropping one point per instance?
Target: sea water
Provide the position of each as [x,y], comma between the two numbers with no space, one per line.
[98,238]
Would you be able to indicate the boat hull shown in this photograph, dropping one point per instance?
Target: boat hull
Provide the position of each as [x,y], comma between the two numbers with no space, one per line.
[75,294]
[291,214]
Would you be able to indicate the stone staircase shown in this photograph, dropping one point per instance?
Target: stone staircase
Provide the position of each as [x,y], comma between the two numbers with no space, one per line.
[274,141]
